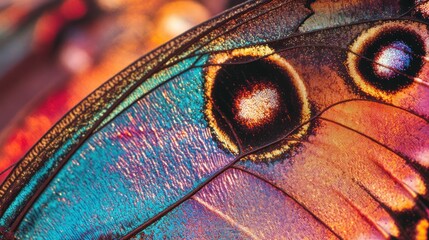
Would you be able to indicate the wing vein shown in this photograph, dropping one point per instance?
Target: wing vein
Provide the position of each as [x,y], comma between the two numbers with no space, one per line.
[226,167]
[287,195]
[403,185]
[227,218]
[45,183]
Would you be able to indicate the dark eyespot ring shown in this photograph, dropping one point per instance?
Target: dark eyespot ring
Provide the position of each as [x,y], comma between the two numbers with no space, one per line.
[385,59]
[260,99]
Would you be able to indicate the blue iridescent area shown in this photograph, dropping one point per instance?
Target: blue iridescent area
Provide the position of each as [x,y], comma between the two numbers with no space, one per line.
[144,160]
[50,163]
[153,153]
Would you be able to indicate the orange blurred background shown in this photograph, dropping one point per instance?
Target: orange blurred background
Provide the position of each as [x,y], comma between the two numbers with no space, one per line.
[54,53]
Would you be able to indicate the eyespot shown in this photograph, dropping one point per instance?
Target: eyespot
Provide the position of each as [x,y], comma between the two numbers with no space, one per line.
[259,100]
[387,58]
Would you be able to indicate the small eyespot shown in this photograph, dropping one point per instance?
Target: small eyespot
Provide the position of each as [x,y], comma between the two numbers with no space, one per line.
[387,58]
[257,95]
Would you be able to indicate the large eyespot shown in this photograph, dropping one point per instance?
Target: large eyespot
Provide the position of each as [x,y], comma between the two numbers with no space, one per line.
[255,97]
[387,58]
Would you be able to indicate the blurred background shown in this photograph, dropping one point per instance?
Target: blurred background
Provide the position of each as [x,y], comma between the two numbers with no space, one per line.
[54,53]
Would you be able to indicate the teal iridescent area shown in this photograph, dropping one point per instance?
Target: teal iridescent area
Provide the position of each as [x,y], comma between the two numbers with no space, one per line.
[144,159]
[233,36]
[147,158]
[50,163]
[153,82]
[230,37]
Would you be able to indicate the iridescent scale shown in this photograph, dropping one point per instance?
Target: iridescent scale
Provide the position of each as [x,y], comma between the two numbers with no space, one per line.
[276,120]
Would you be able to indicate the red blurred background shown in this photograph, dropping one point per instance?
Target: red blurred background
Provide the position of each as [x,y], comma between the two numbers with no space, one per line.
[54,53]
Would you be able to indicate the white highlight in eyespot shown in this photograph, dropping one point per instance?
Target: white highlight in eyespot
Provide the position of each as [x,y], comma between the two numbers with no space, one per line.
[392,58]
[255,107]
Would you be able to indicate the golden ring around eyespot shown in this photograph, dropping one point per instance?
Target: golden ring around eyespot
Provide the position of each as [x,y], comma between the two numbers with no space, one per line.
[255,52]
[368,36]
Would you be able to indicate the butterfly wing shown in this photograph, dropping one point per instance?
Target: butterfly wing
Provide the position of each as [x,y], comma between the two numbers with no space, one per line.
[55,149]
[246,130]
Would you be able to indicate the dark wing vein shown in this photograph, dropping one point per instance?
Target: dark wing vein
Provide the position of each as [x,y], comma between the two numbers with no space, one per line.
[232,163]
[395,179]
[289,196]
[113,106]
